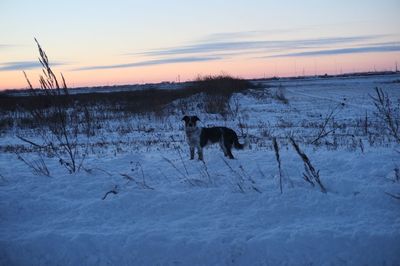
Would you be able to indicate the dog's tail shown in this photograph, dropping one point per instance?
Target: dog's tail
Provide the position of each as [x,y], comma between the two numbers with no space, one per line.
[240,146]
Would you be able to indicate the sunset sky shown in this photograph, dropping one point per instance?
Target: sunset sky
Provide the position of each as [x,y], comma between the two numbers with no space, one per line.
[96,42]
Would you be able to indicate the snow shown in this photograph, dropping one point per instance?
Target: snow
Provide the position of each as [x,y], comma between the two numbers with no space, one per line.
[194,213]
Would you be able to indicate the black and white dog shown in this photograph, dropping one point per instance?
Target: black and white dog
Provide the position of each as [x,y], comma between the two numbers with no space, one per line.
[199,137]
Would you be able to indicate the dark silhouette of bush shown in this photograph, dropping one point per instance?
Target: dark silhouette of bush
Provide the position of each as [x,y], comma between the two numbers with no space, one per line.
[217,91]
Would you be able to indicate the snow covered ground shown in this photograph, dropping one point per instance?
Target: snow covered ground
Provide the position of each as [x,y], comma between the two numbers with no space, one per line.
[169,210]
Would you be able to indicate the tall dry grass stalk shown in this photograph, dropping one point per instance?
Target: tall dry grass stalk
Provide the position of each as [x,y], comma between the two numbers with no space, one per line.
[278,159]
[387,112]
[60,119]
[311,175]
[323,131]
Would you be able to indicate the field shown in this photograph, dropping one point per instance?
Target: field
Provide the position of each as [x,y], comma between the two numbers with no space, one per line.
[135,198]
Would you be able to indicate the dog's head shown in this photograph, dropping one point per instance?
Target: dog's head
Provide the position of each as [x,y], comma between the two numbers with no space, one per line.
[190,121]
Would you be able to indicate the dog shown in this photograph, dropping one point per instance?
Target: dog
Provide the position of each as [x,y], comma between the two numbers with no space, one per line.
[199,137]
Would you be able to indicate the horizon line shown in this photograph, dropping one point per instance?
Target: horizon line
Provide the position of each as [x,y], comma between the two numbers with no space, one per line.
[331,75]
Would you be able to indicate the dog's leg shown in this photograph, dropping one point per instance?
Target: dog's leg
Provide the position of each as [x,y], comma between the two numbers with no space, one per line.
[200,153]
[230,155]
[221,144]
[228,148]
[191,152]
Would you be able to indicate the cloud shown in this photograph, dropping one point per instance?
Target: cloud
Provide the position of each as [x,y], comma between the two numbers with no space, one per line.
[254,46]
[5,46]
[353,50]
[225,36]
[24,65]
[220,46]
[153,62]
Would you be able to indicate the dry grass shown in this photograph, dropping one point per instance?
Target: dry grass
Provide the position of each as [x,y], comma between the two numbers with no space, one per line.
[311,175]
[216,91]
[278,159]
[59,118]
[388,112]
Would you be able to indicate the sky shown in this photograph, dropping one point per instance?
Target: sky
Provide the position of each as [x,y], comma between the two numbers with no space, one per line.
[96,42]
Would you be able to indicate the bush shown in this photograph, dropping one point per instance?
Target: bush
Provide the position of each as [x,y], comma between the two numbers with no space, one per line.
[218,91]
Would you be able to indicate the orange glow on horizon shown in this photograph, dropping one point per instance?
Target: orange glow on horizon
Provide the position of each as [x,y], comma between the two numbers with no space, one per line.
[241,67]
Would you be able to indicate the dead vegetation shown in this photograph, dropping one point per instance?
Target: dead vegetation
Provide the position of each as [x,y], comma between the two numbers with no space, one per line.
[65,122]
[311,175]
[280,95]
[60,121]
[328,125]
[388,112]
[215,91]
[278,159]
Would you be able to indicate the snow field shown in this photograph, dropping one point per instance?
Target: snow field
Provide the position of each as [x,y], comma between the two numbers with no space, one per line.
[221,212]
